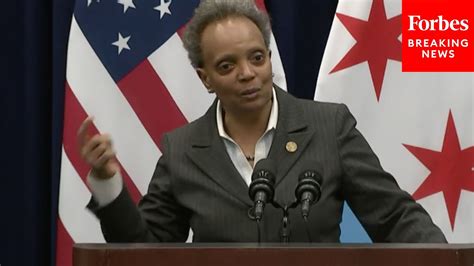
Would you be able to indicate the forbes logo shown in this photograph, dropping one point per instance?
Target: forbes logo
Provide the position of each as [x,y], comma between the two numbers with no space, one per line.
[438,24]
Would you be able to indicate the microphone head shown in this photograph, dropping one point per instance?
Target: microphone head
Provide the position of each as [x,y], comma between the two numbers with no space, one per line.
[265,168]
[310,180]
[263,178]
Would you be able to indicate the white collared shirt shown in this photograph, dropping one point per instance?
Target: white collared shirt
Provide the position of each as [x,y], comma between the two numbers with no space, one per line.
[261,148]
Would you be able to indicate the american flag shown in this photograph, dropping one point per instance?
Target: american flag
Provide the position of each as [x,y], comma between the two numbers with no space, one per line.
[126,66]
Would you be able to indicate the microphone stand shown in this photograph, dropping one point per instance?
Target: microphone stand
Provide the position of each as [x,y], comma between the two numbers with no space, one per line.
[285,230]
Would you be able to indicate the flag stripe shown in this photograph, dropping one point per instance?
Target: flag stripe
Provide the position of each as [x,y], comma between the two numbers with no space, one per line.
[73,197]
[64,244]
[261,5]
[180,31]
[100,96]
[277,66]
[171,63]
[151,101]
[74,115]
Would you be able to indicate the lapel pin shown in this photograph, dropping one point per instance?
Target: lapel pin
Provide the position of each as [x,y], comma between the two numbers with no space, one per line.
[291,146]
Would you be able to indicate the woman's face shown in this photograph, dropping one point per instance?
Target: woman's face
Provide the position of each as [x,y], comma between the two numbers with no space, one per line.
[236,65]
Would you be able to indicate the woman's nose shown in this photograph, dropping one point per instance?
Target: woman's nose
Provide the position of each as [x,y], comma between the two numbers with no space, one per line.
[246,71]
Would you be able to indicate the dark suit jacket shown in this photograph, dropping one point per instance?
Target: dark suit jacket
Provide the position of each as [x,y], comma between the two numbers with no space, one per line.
[196,185]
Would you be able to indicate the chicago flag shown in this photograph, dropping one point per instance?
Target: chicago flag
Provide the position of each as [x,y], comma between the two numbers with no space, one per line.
[419,124]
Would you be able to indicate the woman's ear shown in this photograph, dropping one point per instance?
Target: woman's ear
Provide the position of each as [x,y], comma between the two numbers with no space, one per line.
[204,79]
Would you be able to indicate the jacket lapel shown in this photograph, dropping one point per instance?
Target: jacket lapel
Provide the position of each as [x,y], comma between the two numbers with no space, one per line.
[291,127]
[208,152]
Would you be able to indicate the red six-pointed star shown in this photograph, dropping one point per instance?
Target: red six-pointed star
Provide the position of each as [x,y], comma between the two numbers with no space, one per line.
[377,41]
[451,170]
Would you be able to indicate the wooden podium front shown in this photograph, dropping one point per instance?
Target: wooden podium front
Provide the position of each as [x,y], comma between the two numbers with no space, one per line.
[273,254]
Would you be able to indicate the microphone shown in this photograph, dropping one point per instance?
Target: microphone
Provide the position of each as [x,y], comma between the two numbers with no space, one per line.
[261,189]
[308,190]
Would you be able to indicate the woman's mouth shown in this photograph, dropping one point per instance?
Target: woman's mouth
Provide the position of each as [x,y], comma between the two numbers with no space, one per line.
[250,93]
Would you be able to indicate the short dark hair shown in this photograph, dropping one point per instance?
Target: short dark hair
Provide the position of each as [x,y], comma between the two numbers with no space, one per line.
[210,11]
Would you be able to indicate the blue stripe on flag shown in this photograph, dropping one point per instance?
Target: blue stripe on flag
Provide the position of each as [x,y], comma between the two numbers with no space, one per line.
[351,229]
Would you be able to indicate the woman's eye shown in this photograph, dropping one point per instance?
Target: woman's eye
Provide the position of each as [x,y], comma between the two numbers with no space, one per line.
[258,58]
[225,67]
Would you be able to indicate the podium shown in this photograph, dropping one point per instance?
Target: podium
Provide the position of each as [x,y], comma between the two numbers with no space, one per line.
[198,254]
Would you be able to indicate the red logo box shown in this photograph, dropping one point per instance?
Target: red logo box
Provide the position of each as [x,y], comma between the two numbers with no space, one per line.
[438,35]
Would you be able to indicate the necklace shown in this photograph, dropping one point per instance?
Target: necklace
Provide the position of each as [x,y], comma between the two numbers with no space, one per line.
[250,158]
